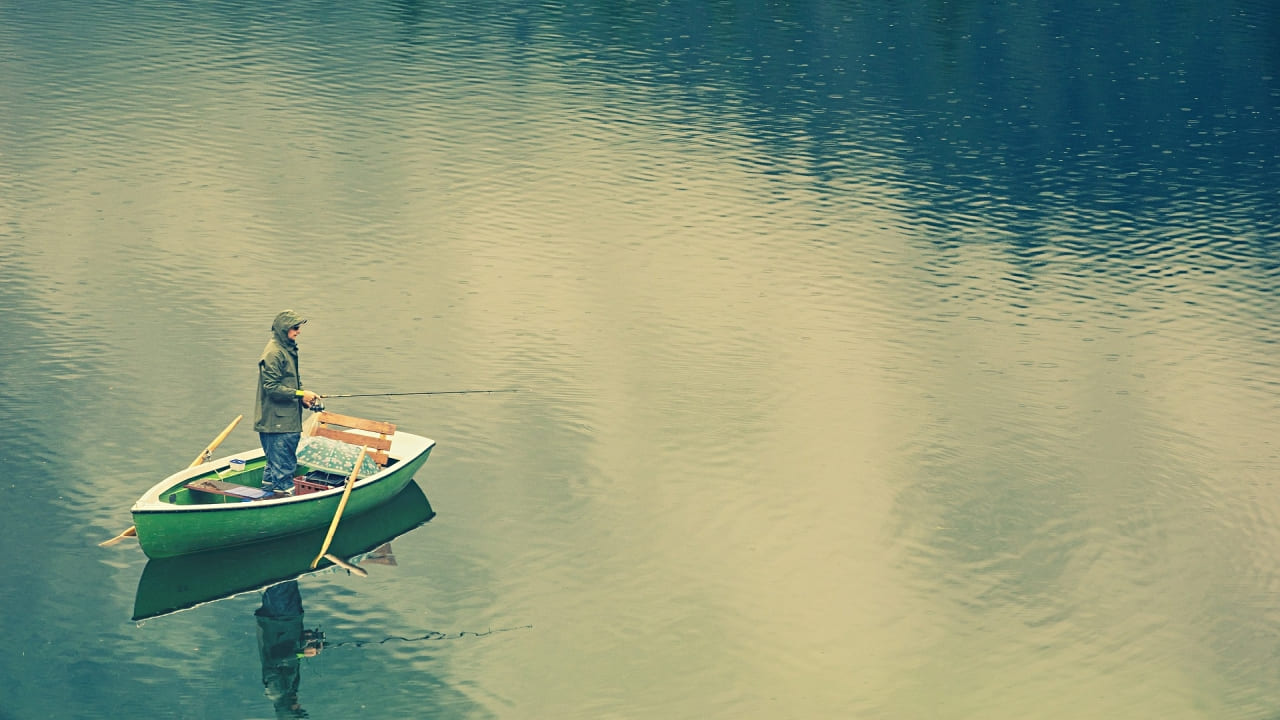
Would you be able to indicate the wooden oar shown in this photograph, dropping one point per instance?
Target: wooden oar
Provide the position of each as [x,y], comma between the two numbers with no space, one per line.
[346,565]
[346,492]
[203,457]
[207,453]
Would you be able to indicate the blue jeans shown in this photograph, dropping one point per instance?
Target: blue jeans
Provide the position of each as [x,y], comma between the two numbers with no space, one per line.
[282,459]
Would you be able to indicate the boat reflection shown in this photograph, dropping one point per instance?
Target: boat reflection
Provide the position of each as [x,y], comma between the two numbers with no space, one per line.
[169,585]
[282,643]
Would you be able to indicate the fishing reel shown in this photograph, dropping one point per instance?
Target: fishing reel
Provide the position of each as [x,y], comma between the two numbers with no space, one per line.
[312,643]
[317,406]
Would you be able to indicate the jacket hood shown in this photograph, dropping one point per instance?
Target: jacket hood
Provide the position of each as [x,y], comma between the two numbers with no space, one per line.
[285,320]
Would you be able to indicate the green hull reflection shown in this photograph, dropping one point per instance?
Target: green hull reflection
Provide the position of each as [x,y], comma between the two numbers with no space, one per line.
[171,584]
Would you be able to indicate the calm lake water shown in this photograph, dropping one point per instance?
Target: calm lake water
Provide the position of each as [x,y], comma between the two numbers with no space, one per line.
[875,359]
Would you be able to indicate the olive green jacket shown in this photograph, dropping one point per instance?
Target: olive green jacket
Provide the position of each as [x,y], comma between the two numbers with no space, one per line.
[278,408]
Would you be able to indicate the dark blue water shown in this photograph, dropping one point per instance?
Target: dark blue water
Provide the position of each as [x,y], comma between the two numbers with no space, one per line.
[876,360]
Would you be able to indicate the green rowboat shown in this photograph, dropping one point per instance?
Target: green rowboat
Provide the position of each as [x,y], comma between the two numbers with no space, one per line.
[217,505]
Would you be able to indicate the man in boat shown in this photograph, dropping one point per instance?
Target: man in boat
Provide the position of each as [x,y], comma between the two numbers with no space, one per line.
[278,412]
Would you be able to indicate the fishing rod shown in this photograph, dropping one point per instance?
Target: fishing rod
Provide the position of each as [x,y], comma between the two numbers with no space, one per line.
[437,392]
[318,406]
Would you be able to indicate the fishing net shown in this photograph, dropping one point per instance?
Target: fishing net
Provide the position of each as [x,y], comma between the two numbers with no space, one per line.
[333,456]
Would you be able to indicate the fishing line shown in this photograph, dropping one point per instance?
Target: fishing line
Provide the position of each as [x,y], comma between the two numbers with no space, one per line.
[430,636]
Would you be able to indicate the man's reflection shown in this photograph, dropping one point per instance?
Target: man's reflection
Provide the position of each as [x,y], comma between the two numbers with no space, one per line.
[282,643]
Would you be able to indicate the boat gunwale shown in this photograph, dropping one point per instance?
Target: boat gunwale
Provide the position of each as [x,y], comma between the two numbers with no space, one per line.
[405,448]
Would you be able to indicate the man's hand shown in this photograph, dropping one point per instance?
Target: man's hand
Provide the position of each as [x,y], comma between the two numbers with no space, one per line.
[309,398]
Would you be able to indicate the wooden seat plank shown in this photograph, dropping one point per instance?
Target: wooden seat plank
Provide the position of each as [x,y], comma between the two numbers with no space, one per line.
[218,487]
[376,443]
[350,421]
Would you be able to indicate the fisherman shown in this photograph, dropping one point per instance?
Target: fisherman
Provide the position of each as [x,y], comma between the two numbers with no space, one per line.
[278,413]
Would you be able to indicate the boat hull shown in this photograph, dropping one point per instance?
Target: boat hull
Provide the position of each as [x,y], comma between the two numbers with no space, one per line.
[166,529]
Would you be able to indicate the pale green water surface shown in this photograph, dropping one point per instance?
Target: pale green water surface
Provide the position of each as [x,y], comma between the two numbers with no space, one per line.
[876,360]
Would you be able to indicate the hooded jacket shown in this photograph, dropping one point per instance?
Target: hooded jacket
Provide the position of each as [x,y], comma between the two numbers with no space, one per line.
[278,408]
